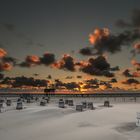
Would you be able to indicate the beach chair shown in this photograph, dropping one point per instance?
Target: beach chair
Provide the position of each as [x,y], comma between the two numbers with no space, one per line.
[8,102]
[138,119]
[79,108]
[70,102]
[1,108]
[28,100]
[66,101]
[106,103]
[61,104]
[19,99]
[43,102]
[47,99]
[60,100]
[84,104]
[36,98]
[90,105]
[19,105]
[1,100]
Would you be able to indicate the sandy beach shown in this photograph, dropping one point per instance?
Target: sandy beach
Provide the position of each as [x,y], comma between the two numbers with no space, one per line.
[52,123]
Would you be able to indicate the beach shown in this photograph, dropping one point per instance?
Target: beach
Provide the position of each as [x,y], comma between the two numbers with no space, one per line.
[50,122]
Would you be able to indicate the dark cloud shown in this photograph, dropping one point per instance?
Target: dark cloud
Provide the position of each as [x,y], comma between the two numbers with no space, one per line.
[79,76]
[49,77]
[131,81]
[66,63]
[7,81]
[113,80]
[24,81]
[110,43]
[69,77]
[47,59]
[33,60]
[114,43]
[97,66]
[127,73]
[134,20]
[72,85]
[92,81]
[116,68]
[24,64]
[86,51]
[108,73]
[132,25]
[35,74]
[59,84]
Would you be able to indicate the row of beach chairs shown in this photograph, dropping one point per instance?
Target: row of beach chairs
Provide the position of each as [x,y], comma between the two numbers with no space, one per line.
[80,107]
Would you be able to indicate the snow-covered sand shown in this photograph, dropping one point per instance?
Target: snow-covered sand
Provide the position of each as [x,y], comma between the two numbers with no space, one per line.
[53,123]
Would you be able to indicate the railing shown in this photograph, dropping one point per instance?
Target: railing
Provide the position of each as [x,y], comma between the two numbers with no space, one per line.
[54,94]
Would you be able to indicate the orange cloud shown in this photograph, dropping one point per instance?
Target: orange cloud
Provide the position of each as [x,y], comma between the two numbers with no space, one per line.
[135,63]
[136,74]
[5,66]
[137,47]
[67,62]
[32,59]
[3,53]
[98,34]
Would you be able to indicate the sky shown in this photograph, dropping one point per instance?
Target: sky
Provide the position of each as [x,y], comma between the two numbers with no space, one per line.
[34,27]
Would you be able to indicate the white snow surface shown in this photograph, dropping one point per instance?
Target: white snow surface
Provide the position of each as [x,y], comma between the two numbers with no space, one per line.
[49,122]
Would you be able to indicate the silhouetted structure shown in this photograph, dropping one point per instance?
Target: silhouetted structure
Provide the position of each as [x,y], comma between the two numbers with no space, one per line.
[8,102]
[66,101]
[90,105]
[1,106]
[79,107]
[46,98]
[138,119]
[60,100]
[19,105]
[1,100]
[48,90]
[84,104]
[28,100]
[70,102]
[43,102]
[106,103]
[61,103]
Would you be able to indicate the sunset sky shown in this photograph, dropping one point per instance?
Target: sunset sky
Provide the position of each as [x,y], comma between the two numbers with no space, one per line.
[62,29]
